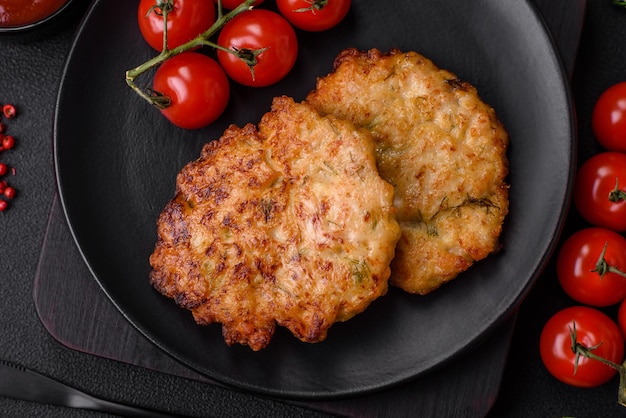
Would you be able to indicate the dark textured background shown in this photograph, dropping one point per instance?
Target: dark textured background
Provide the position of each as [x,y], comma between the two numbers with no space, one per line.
[30,70]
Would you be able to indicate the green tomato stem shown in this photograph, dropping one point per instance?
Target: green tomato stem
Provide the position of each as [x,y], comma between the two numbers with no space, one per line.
[316,5]
[616,194]
[602,267]
[581,350]
[621,394]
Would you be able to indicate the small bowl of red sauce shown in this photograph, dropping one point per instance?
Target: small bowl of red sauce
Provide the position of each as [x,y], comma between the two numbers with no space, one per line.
[23,15]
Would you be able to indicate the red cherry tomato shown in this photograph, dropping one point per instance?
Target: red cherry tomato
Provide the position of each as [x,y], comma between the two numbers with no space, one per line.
[314,15]
[585,266]
[232,4]
[188,19]
[197,86]
[609,118]
[256,30]
[599,190]
[593,328]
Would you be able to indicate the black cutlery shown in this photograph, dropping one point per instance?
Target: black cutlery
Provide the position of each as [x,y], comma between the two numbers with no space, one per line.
[20,383]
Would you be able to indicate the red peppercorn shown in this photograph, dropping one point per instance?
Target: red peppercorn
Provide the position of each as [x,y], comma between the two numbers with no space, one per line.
[3,205]
[3,169]
[3,186]
[10,192]
[9,111]
[8,142]
[3,128]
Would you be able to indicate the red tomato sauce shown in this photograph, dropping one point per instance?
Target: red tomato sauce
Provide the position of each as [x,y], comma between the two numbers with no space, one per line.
[23,12]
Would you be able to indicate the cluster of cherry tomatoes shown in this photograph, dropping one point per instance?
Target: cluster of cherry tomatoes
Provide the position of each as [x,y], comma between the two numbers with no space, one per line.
[7,142]
[591,263]
[265,43]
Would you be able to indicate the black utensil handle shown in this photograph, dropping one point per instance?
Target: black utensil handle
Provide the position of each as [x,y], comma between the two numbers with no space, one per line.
[23,384]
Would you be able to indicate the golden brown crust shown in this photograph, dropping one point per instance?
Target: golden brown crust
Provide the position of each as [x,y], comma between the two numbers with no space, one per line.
[439,145]
[286,224]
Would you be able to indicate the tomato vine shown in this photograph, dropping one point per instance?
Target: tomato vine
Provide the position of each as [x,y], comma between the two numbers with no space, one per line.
[204,39]
[580,349]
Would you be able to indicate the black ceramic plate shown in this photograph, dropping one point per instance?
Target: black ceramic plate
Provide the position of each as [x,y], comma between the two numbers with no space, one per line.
[117,158]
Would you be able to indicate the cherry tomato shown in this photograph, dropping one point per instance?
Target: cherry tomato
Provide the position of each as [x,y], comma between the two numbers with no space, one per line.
[197,86]
[593,328]
[609,118]
[258,30]
[232,4]
[314,15]
[586,263]
[599,190]
[188,19]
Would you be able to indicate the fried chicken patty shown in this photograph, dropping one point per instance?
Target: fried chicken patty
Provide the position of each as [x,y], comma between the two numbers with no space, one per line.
[288,223]
[439,145]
